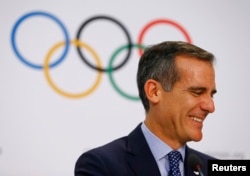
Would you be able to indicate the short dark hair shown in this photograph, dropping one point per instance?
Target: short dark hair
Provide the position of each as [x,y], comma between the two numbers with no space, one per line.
[158,63]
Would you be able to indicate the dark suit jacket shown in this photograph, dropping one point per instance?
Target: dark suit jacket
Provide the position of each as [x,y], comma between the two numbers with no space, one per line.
[127,156]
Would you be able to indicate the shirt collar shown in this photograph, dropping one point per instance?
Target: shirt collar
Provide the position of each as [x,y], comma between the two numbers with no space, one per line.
[158,148]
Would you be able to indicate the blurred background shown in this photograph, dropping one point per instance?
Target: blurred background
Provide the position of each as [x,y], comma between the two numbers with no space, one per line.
[55,104]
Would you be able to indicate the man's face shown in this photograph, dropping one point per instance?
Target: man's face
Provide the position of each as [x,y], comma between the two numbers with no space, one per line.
[184,109]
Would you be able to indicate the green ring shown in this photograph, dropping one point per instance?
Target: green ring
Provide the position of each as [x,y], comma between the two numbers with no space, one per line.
[110,71]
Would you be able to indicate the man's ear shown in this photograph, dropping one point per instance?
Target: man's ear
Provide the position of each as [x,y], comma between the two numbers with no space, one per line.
[152,90]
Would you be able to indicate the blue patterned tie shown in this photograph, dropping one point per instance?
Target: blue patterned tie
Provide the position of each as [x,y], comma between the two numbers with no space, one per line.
[174,158]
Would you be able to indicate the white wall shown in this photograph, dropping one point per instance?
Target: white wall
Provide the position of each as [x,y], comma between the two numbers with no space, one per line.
[43,132]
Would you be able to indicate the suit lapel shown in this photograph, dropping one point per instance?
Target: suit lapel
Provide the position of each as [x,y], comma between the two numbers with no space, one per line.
[139,156]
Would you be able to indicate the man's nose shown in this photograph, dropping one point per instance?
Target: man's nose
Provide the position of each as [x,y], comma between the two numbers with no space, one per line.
[208,104]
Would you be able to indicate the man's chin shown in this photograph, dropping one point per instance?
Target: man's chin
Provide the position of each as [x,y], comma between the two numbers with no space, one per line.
[197,137]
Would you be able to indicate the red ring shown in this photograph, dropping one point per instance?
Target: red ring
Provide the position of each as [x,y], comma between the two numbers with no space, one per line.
[165,21]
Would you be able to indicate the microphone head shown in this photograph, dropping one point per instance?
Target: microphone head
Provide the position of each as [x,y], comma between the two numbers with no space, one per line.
[194,162]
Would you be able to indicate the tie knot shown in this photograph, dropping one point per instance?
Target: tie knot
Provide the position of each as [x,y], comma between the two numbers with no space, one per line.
[174,156]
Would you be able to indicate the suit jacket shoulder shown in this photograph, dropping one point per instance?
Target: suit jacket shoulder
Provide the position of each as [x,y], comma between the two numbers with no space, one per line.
[126,156]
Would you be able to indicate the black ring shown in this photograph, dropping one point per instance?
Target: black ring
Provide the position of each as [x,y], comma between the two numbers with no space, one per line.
[121,26]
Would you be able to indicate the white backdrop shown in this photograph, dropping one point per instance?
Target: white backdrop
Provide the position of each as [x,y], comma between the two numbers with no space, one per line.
[43,131]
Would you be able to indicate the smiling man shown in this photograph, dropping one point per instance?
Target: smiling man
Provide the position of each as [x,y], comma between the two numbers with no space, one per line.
[176,83]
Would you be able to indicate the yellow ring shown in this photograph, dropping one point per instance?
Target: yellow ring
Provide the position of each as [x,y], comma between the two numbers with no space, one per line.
[56,88]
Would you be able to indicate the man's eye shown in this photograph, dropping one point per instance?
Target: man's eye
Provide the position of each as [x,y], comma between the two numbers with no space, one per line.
[197,93]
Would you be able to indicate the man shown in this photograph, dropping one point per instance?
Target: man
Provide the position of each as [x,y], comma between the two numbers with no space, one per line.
[176,82]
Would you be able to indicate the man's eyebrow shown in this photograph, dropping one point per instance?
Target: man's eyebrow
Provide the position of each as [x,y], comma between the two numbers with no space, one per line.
[197,88]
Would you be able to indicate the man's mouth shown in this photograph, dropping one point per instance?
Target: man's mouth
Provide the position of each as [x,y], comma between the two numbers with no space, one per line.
[197,119]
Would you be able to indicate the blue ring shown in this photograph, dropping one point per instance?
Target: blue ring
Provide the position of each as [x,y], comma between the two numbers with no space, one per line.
[24,60]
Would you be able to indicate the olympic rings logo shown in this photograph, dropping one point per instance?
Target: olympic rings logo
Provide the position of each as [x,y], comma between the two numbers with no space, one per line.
[80,45]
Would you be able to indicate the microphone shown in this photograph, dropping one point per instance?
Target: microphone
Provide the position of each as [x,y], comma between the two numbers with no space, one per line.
[195,163]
